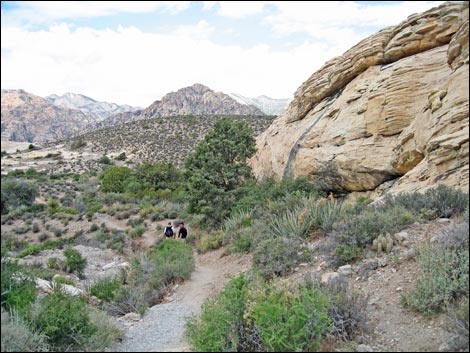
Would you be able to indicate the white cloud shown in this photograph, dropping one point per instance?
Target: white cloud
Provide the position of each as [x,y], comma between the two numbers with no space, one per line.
[129,66]
[323,18]
[202,30]
[236,9]
[44,11]
[208,5]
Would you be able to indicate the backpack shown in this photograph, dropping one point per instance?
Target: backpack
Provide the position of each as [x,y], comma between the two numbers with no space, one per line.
[168,232]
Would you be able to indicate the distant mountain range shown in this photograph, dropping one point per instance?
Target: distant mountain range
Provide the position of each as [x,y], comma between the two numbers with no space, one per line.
[193,100]
[98,110]
[30,118]
[269,106]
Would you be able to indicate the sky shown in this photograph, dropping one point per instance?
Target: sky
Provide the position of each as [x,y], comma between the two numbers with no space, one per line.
[136,52]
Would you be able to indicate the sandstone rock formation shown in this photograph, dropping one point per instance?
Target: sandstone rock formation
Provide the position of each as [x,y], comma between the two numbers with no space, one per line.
[193,100]
[29,118]
[392,108]
[98,110]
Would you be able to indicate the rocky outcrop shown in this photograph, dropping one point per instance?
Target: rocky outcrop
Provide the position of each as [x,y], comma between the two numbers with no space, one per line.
[393,107]
[98,110]
[29,118]
[194,100]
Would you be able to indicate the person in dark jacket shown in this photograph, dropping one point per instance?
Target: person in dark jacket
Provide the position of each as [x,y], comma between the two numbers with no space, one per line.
[183,232]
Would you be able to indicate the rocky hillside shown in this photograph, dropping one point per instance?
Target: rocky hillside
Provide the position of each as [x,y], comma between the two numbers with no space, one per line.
[390,113]
[193,100]
[268,105]
[98,110]
[164,139]
[30,118]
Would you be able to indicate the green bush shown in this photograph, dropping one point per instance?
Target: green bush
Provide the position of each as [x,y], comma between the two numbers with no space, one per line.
[18,336]
[115,179]
[137,232]
[251,316]
[242,244]
[221,324]
[355,232]
[290,320]
[121,157]
[106,289]
[34,249]
[279,256]
[443,201]
[444,278]
[74,261]
[18,287]
[173,261]
[16,192]
[64,320]
[210,241]
[457,324]
[104,159]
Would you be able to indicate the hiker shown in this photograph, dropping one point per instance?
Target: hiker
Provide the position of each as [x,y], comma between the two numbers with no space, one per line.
[183,232]
[169,231]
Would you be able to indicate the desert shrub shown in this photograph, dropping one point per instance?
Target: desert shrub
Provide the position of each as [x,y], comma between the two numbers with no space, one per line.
[121,157]
[173,261]
[128,299]
[74,262]
[63,319]
[279,256]
[114,179]
[43,237]
[18,287]
[36,228]
[254,193]
[16,192]
[444,279]
[221,323]
[134,222]
[443,201]
[19,336]
[106,289]
[63,280]
[22,229]
[354,233]
[137,232]
[106,334]
[104,159]
[457,325]
[12,242]
[77,143]
[242,244]
[55,263]
[347,309]
[33,249]
[290,320]
[210,241]
[249,315]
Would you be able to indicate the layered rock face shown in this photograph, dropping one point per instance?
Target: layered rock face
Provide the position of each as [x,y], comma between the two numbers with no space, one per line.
[30,118]
[393,107]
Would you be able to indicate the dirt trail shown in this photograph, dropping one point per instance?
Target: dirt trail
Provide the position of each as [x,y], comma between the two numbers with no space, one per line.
[162,327]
